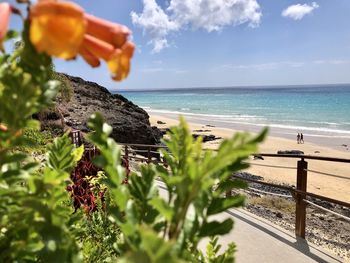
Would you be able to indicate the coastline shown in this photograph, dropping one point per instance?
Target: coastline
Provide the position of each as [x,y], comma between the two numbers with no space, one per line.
[334,183]
[321,138]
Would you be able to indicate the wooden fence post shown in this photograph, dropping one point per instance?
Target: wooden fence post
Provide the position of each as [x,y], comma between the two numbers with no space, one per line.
[300,208]
[149,155]
[126,152]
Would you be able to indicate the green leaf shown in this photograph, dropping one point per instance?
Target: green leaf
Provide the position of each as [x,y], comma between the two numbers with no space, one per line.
[231,184]
[78,153]
[219,205]
[11,34]
[216,228]
[163,208]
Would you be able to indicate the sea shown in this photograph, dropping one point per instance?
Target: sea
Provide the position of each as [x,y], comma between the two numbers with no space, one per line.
[320,112]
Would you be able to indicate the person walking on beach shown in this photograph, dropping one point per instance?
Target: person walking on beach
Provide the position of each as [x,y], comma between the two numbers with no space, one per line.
[301,138]
[298,138]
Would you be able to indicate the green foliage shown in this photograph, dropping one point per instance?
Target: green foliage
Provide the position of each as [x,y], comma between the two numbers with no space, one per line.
[65,87]
[213,249]
[156,227]
[37,141]
[34,223]
[98,237]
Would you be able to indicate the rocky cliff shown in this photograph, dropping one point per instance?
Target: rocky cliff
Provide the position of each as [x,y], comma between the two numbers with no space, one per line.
[130,123]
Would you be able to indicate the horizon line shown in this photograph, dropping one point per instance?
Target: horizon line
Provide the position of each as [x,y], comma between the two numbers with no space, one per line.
[235,87]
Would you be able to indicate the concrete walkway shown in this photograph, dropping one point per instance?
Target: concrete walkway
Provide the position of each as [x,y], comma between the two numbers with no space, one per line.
[259,241]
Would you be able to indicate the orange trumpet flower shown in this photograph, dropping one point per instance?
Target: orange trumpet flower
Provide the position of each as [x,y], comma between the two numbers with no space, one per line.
[5,11]
[109,32]
[57,28]
[62,29]
[119,64]
[89,58]
[98,48]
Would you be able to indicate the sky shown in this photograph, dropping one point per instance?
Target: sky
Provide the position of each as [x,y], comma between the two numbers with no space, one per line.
[222,43]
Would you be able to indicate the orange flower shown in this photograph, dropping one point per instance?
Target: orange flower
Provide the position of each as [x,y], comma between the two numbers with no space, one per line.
[98,48]
[89,58]
[109,32]
[5,11]
[62,29]
[57,28]
[118,60]
[119,64]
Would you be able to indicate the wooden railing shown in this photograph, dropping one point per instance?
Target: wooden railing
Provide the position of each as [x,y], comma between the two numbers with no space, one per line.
[149,154]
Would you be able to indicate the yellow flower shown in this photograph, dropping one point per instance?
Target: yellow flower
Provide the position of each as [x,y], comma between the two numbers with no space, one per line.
[57,28]
[5,11]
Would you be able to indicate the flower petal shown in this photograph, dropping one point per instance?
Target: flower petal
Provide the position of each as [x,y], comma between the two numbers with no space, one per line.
[57,28]
[5,11]
[92,60]
[119,64]
[109,32]
[98,47]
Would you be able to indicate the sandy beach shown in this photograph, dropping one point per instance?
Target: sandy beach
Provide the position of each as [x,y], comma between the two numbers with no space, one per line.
[334,182]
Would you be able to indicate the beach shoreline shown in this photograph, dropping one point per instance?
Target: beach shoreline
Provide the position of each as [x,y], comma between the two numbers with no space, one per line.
[334,182]
[325,140]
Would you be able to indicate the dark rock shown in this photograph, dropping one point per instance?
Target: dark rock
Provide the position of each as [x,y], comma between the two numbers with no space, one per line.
[157,132]
[206,138]
[164,131]
[202,130]
[130,123]
[258,157]
[291,152]
[208,125]
[316,151]
[160,122]
[246,175]
[279,215]
[344,145]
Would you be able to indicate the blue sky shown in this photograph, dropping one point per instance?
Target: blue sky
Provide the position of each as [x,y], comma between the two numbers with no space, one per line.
[210,44]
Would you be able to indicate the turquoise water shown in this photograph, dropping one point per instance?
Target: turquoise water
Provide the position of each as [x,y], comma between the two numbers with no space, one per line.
[313,110]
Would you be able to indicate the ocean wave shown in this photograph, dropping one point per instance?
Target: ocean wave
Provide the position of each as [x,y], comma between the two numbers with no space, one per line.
[259,121]
[145,108]
[298,128]
[217,116]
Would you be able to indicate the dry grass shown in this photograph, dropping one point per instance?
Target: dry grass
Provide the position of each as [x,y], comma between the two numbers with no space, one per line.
[272,202]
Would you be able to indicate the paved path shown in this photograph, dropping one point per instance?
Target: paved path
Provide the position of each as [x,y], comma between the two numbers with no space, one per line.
[259,241]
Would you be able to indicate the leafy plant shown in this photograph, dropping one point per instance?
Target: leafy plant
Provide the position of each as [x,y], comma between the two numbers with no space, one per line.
[156,228]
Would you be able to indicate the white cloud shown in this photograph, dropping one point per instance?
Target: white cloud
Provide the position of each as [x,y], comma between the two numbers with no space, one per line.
[155,23]
[210,15]
[298,11]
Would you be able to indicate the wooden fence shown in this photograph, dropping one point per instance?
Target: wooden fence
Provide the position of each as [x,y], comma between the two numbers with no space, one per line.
[149,154]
